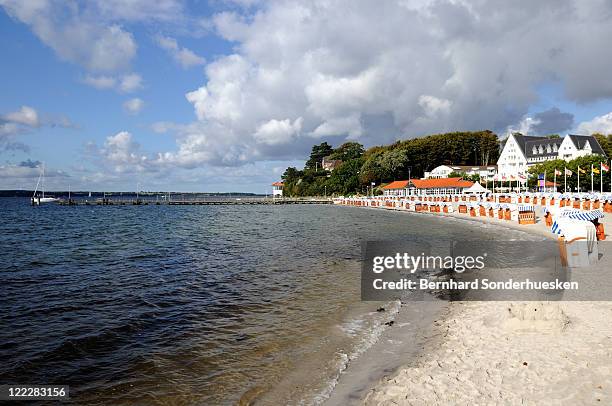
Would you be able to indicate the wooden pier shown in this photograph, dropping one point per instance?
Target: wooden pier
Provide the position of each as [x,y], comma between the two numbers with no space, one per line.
[188,202]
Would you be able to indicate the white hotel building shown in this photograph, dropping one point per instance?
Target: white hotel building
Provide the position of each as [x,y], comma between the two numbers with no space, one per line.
[520,151]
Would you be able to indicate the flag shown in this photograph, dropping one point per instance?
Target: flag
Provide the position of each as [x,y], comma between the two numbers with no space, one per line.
[542,180]
[581,170]
[557,172]
[595,170]
[568,172]
[605,167]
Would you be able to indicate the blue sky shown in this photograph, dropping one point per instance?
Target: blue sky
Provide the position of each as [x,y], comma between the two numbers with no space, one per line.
[223,95]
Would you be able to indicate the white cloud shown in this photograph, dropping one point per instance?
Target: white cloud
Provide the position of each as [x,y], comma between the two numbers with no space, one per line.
[162,127]
[26,116]
[140,10]
[353,69]
[15,123]
[130,83]
[183,56]
[28,170]
[25,120]
[349,69]
[600,124]
[123,153]
[350,125]
[75,36]
[133,106]
[100,82]
[434,106]
[276,132]
[525,126]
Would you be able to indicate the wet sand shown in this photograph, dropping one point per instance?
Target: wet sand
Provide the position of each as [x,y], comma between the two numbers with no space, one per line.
[492,352]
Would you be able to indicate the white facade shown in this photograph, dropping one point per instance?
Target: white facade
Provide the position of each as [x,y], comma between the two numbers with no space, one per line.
[486,173]
[512,160]
[441,171]
[277,189]
[568,150]
[521,152]
[395,192]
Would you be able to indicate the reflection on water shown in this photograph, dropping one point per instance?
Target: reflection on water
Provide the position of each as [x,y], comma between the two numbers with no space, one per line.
[187,304]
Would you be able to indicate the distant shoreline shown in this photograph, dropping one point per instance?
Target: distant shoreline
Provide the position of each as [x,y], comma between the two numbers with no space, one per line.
[29,193]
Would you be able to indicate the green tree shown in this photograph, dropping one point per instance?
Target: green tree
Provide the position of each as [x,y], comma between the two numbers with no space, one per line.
[317,154]
[348,151]
[457,175]
[344,180]
[605,142]
[584,163]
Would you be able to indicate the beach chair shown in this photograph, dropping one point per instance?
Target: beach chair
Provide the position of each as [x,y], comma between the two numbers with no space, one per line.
[526,214]
[577,242]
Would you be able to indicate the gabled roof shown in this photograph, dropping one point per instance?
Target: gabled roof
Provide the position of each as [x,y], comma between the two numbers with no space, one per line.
[527,142]
[396,184]
[277,184]
[441,183]
[581,140]
[544,144]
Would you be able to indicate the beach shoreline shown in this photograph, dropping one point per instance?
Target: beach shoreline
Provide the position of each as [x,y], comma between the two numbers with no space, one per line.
[554,339]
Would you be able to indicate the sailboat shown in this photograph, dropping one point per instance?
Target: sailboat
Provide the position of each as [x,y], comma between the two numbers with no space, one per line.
[41,181]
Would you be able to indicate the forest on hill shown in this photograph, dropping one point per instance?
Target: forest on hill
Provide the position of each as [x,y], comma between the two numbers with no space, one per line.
[360,168]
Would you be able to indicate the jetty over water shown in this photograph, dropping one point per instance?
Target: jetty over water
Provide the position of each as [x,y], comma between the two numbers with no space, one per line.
[191,202]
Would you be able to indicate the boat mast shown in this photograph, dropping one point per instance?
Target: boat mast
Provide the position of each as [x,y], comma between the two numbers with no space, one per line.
[43,180]
[37,183]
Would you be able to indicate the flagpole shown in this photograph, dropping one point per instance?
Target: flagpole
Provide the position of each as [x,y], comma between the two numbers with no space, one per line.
[591,178]
[565,180]
[555,181]
[578,179]
[600,179]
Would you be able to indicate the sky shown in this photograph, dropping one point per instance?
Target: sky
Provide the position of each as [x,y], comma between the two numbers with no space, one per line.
[222,96]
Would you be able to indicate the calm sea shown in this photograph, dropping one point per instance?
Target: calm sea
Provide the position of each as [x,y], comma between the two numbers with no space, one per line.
[189,304]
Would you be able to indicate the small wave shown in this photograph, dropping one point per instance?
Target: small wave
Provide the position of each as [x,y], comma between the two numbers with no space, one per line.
[367,340]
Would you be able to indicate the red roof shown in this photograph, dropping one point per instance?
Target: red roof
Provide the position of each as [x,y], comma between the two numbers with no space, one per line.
[397,184]
[441,183]
[277,184]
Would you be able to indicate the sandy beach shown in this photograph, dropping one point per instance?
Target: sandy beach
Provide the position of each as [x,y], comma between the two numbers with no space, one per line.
[505,352]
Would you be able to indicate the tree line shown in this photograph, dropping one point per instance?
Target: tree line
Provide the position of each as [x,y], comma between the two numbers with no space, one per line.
[381,164]
[548,169]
